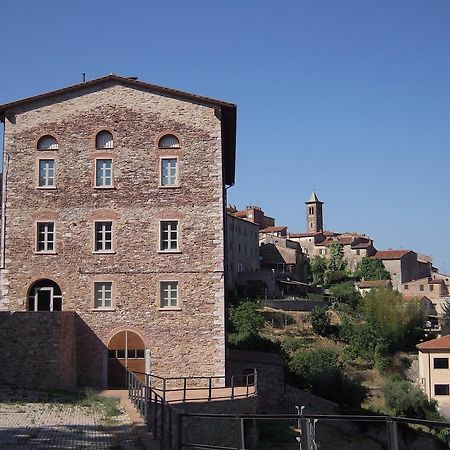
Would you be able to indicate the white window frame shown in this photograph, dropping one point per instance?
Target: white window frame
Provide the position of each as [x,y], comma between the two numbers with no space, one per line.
[167,136]
[103,241]
[46,241]
[170,287]
[100,302]
[35,297]
[100,182]
[161,173]
[49,178]
[169,239]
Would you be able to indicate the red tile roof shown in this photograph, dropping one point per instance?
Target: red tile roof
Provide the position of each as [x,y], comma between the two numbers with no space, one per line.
[442,343]
[390,254]
[300,235]
[362,245]
[272,229]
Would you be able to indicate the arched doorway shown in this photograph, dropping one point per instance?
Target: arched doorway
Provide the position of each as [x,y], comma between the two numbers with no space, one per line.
[44,295]
[126,349]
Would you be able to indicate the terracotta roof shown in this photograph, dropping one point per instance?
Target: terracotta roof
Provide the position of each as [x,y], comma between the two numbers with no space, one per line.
[272,229]
[362,245]
[228,110]
[368,284]
[442,343]
[240,213]
[390,254]
[434,281]
[242,219]
[345,240]
[301,235]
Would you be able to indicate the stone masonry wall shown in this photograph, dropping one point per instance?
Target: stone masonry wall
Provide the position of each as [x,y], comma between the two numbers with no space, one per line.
[38,349]
[188,340]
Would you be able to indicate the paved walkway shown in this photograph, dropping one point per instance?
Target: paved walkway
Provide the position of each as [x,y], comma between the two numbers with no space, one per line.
[37,421]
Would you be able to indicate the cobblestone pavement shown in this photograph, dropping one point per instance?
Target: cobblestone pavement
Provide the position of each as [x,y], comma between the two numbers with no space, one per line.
[28,421]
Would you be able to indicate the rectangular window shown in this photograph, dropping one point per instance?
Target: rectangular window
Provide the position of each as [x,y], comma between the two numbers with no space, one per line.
[421,287]
[406,287]
[169,172]
[169,294]
[103,294]
[45,237]
[441,389]
[46,173]
[358,251]
[440,363]
[103,172]
[431,287]
[169,236]
[103,236]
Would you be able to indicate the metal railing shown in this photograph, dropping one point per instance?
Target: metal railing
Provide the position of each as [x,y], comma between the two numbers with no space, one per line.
[304,424]
[226,387]
[150,396]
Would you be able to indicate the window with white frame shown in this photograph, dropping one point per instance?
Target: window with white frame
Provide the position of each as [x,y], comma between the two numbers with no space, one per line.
[103,294]
[45,237]
[104,139]
[169,141]
[46,173]
[103,236]
[47,143]
[169,294]
[169,176]
[103,172]
[169,236]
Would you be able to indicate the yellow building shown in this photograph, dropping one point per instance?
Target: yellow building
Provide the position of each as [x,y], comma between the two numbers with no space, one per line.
[434,371]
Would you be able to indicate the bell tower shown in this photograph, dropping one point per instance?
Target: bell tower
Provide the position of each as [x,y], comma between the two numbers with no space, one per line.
[314,217]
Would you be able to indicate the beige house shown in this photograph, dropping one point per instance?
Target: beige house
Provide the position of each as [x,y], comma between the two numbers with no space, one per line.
[112,245]
[434,371]
[433,288]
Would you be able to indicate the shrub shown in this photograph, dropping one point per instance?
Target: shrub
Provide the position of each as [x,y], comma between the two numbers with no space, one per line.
[346,293]
[320,320]
[293,344]
[408,400]
[321,372]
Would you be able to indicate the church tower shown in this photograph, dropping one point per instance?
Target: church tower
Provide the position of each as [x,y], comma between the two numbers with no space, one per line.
[314,217]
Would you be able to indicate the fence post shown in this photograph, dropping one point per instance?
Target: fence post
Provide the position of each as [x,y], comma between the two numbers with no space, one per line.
[179,431]
[255,381]
[232,386]
[392,434]
[164,389]
[306,439]
[246,384]
[155,416]
[184,388]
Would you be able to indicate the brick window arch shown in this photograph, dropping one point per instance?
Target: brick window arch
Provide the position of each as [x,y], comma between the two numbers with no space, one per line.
[104,140]
[44,295]
[169,141]
[47,142]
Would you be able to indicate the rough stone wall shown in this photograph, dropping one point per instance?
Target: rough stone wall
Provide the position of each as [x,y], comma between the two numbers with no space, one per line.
[270,378]
[38,349]
[187,341]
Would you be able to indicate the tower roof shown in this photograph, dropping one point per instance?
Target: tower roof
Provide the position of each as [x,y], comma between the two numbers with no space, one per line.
[313,198]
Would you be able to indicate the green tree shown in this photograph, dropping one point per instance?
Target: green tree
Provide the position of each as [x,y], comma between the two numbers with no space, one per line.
[398,323]
[408,400]
[446,313]
[372,269]
[322,372]
[346,293]
[336,261]
[320,320]
[246,319]
[318,265]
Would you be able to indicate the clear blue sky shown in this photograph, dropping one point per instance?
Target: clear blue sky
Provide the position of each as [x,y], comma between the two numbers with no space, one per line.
[350,97]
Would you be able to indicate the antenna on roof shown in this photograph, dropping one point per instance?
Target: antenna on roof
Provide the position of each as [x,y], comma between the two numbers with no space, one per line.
[83,75]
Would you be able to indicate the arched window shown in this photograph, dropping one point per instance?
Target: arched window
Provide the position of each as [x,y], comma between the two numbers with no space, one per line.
[44,295]
[104,139]
[47,143]
[169,141]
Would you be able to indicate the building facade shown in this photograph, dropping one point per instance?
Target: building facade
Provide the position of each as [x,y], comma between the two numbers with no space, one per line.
[114,208]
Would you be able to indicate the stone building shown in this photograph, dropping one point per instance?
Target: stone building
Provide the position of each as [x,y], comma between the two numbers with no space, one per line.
[433,288]
[242,255]
[403,266]
[314,215]
[254,214]
[113,212]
